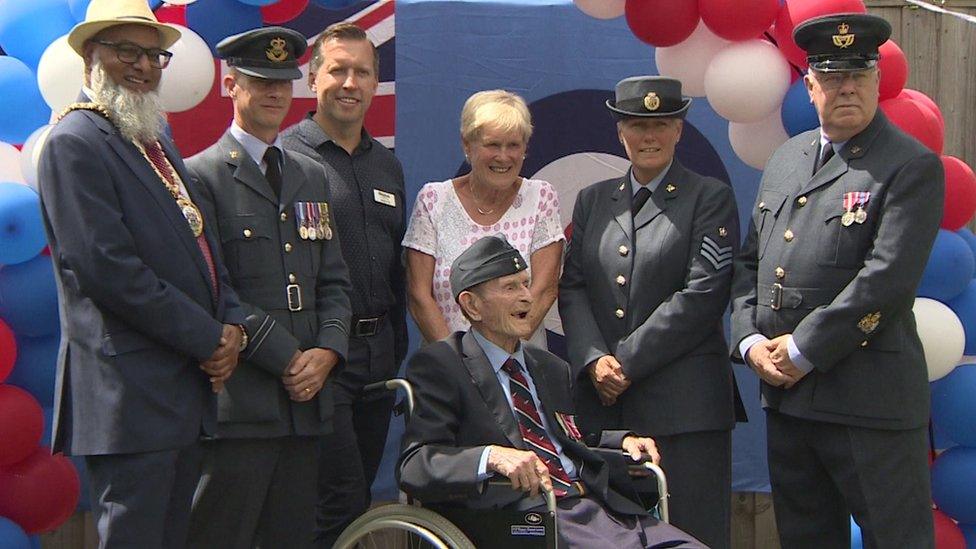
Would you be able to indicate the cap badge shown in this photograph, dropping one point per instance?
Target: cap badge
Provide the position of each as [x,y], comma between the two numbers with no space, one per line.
[652,102]
[276,51]
[516,261]
[843,39]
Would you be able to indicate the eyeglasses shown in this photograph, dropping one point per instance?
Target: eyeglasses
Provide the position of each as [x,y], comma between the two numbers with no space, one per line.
[127,52]
[833,80]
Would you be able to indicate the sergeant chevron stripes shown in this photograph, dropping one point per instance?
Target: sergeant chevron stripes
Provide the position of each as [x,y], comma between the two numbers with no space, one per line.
[719,257]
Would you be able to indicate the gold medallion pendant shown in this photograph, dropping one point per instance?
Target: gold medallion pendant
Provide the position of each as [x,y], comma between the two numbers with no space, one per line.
[193,216]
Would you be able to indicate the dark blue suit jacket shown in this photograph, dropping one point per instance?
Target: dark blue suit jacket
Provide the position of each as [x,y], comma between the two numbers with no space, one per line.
[138,312]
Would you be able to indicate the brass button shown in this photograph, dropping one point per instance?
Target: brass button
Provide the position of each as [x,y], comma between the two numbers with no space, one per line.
[864,343]
[802,201]
[284,216]
[780,272]
[619,313]
[287,246]
[247,233]
[762,205]
[292,278]
[623,250]
[788,235]
[621,280]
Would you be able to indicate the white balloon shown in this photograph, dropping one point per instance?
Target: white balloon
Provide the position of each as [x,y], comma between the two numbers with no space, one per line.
[10,164]
[60,74]
[747,80]
[31,154]
[688,60]
[942,334]
[190,75]
[601,9]
[754,142]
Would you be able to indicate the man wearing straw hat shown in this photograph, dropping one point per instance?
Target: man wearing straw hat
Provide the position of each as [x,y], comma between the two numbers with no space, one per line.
[150,328]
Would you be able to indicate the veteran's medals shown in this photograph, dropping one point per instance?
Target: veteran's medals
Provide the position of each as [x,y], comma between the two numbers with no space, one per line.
[847,219]
[854,212]
[860,216]
[312,219]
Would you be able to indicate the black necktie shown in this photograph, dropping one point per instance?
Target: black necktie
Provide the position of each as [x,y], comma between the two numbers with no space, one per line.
[827,152]
[272,157]
[640,198]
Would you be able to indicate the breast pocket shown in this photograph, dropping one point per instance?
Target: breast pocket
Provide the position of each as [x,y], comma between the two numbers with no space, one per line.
[770,205]
[840,246]
[248,244]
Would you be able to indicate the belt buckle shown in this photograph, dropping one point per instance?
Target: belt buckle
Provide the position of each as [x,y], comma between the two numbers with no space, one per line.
[367,326]
[294,292]
[776,300]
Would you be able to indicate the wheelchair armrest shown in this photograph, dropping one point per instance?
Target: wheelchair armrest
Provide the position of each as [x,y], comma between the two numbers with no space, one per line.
[655,483]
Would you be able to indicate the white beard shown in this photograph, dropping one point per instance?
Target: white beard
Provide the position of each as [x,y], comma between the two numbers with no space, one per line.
[139,116]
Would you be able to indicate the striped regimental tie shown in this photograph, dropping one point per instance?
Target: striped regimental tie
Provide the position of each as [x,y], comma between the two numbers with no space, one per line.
[530,424]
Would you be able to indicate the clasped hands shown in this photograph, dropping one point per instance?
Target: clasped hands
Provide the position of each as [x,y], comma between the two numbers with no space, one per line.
[528,473]
[307,372]
[222,362]
[771,361]
[608,379]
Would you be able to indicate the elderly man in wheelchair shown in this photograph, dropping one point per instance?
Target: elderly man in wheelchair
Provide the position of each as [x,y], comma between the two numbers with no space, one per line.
[490,407]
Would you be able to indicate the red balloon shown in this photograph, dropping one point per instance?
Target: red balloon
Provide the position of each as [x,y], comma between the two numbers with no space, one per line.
[795,12]
[947,533]
[21,425]
[8,351]
[894,70]
[40,492]
[662,23]
[926,101]
[915,120]
[175,15]
[738,19]
[283,11]
[960,193]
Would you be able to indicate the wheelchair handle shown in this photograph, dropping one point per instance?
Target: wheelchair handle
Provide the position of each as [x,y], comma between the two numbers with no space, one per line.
[393,385]
[662,489]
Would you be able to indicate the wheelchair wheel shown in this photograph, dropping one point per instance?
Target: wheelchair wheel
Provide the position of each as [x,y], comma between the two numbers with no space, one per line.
[402,526]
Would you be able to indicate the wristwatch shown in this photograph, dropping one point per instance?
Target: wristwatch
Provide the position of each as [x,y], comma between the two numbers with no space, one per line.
[243,330]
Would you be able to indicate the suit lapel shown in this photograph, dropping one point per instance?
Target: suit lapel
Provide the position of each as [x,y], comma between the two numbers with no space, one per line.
[487,383]
[620,203]
[292,179]
[245,170]
[668,190]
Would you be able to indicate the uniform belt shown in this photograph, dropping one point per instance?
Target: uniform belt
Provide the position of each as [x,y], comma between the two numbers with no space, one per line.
[776,297]
[291,297]
[366,326]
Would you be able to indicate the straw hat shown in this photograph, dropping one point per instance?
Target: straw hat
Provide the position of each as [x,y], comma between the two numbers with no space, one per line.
[103,14]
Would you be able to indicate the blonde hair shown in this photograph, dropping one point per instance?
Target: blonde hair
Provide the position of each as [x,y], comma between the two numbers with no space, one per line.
[497,109]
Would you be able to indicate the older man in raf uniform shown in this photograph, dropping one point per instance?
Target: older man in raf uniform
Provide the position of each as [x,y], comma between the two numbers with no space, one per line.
[277,233]
[148,322]
[822,298]
[489,405]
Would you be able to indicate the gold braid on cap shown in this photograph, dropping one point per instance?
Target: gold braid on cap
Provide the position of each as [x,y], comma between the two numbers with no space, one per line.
[88,106]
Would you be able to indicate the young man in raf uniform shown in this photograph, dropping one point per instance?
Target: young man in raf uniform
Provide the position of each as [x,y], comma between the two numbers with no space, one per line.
[272,209]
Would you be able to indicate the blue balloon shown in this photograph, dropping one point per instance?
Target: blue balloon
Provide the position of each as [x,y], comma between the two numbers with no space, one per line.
[968,532]
[12,536]
[29,297]
[798,113]
[21,229]
[215,20]
[949,269]
[28,28]
[335,4]
[953,479]
[970,239]
[856,541]
[24,109]
[36,367]
[964,305]
[35,541]
[78,9]
[257,2]
[954,405]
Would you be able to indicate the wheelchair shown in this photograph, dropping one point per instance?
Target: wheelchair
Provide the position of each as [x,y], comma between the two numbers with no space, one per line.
[443,526]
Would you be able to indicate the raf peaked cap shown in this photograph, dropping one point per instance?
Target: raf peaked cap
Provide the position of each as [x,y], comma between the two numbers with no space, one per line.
[489,258]
[649,96]
[268,52]
[842,42]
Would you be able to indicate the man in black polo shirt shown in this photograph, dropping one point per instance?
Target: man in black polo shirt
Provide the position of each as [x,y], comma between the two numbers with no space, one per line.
[366,183]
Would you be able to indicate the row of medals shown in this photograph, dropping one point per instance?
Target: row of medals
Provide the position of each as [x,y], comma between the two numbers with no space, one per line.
[849,217]
[313,223]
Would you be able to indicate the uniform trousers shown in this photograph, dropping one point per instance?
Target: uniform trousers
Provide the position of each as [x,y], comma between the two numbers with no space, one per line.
[143,500]
[351,454]
[822,473]
[256,492]
[585,524]
[699,469]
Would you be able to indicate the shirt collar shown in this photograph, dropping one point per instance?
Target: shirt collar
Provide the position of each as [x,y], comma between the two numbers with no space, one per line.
[317,135]
[496,355]
[653,184]
[255,147]
[837,145]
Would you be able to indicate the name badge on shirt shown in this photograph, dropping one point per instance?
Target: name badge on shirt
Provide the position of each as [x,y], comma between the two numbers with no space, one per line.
[384,197]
